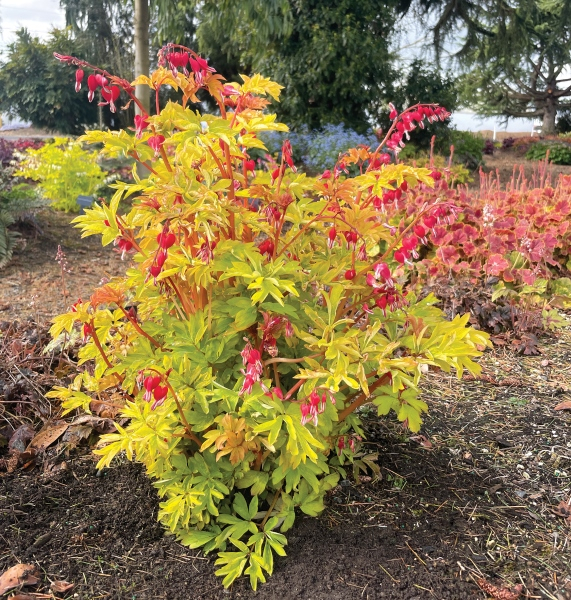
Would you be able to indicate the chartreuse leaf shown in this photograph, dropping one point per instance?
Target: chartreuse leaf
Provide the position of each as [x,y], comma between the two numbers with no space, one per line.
[233,565]
[196,539]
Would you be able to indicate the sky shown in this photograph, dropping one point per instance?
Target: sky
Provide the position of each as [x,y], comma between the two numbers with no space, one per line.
[40,17]
[37,17]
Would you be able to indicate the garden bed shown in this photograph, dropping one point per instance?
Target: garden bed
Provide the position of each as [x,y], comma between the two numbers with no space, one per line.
[475,498]
[32,283]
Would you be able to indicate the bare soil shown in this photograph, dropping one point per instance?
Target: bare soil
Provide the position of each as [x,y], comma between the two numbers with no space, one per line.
[32,285]
[508,164]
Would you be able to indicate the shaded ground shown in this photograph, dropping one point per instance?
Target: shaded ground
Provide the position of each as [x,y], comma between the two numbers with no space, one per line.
[479,502]
[32,281]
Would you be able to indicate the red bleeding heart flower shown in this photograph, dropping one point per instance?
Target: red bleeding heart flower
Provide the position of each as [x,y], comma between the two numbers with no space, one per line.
[351,238]
[287,155]
[159,395]
[124,246]
[92,85]
[156,142]
[394,113]
[350,274]
[87,331]
[141,122]
[332,235]
[78,79]
[110,95]
[429,221]
[166,239]
[266,247]
[150,383]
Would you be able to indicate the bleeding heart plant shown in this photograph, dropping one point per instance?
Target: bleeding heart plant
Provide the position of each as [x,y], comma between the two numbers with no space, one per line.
[268,310]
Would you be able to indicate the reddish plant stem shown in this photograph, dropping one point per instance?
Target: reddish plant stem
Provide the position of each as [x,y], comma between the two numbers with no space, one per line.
[302,231]
[294,389]
[188,428]
[362,398]
[218,163]
[166,159]
[98,344]
[139,329]
[144,164]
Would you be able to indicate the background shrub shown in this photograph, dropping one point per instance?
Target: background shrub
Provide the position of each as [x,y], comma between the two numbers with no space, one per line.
[63,170]
[17,200]
[559,154]
[318,150]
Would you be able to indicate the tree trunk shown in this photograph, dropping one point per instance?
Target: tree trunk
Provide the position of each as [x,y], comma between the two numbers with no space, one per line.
[142,62]
[548,127]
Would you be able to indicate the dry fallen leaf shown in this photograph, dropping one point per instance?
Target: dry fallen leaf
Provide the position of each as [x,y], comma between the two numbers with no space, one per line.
[422,440]
[47,435]
[99,424]
[61,587]
[563,405]
[20,574]
[563,510]
[21,437]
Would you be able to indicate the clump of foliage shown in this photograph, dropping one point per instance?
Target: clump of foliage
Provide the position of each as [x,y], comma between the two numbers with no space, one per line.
[10,150]
[508,143]
[455,174]
[267,311]
[489,147]
[559,154]
[468,148]
[316,151]
[64,171]
[518,238]
[34,89]
[6,152]
[17,200]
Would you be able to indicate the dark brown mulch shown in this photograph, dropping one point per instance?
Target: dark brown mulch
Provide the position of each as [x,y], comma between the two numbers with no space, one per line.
[99,531]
